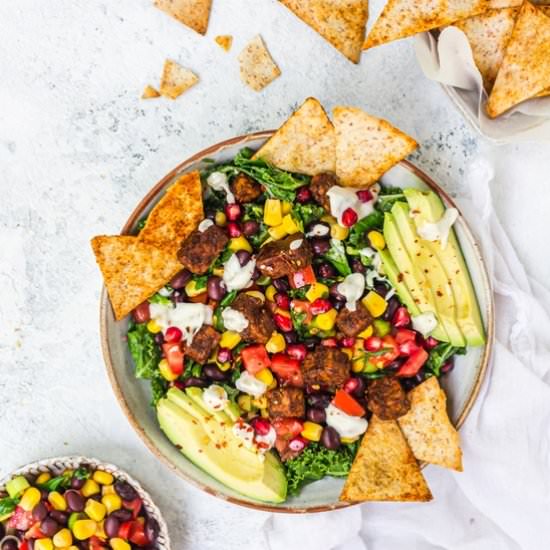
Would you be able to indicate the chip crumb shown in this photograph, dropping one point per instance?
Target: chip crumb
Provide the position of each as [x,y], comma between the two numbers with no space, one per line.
[150,92]
[176,79]
[224,41]
[257,67]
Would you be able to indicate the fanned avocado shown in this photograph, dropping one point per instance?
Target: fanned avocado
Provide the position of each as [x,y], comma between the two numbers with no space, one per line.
[428,207]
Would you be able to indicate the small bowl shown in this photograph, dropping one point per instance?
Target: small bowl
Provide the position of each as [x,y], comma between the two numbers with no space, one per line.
[462,384]
[58,465]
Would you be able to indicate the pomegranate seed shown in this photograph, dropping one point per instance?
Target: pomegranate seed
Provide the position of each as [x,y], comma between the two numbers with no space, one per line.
[349,217]
[173,335]
[320,305]
[283,322]
[282,300]
[303,194]
[430,342]
[373,343]
[233,230]
[448,366]
[401,317]
[407,348]
[351,385]
[329,342]
[233,212]
[141,314]
[261,426]
[224,355]
[297,351]
[297,444]
[347,342]
[364,195]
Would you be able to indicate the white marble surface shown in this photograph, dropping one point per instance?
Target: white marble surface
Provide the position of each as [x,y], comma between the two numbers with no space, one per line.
[78,149]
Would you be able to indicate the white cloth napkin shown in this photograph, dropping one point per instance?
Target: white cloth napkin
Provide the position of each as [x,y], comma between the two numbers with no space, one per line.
[502,499]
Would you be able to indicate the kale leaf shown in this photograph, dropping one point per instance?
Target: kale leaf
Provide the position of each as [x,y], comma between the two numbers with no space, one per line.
[7,505]
[337,257]
[358,234]
[440,355]
[304,214]
[144,351]
[57,482]
[159,299]
[159,386]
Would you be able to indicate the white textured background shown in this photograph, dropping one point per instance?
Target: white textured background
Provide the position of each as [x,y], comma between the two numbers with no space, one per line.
[78,149]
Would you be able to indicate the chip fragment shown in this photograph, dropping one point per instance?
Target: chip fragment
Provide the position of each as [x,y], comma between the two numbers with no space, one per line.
[224,41]
[176,79]
[257,66]
[149,92]
[192,13]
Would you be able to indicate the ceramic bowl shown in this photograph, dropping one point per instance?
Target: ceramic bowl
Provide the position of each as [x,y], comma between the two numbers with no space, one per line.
[462,384]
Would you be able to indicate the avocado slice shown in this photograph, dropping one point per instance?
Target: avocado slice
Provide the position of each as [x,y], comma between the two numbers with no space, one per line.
[412,279]
[438,289]
[428,207]
[208,441]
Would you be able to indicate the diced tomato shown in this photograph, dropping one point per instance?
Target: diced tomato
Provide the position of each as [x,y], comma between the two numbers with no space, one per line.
[286,367]
[404,335]
[95,543]
[302,306]
[302,278]
[24,545]
[287,428]
[414,363]
[408,348]
[174,356]
[20,519]
[137,534]
[346,403]
[133,505]
[255,358]
[391,352]
[35,532]
[124,530]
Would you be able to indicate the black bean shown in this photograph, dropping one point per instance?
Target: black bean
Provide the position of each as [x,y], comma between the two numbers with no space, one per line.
[357,266]
[79,483]
[75,501]
[310,342]
[326,271]
[381,289]
[159,339]
[319,400]
[122,515]
[152,529]
[194,382]
[214,373]
[335,293]
[39,512]
[316,415]
[250,228]
[215,287]
[281,284]
[320,246]
[10,544]
[243,256]
[124,490]
[181,279]
[111,526]
[290,337]
[61,517]
[49,527]
[330,438]
[393,304]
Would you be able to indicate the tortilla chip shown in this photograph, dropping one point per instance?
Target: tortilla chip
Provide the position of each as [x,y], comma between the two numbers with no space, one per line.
[257,66]
[176,79]
[135,267]
[385,468]
[525,69]
[193,13]
[224,41]
[342,23]
[305,143]
[428,429]
[149,92]
[402,18]
[366,146]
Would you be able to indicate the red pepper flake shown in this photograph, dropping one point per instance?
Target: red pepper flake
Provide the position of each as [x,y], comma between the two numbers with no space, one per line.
[399,277]
[439,293]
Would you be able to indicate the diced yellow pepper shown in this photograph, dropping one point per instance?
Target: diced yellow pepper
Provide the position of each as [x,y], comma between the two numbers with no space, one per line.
[95,510]
[112,502]
[166,372]
[312,431]
[349,439]
[265,376]
[338,232]
[348,352]
[273,212]
[103,478]
[273,384]
[43,544]
[375,303]
[84,528]
[119,544]
[31,497]
[108,490]
[325,321]
[358,365]
[376,240]
[316,290]
[239,243]
[192,290]
[264,413]
[270,292]
[367,333]
[223,366]
[283,312]
[218,271]
[276,343]
[57,500]
[220,218]
[90,488]
[245,402]
[256,294]
[286,207]
[229,339]
[43,477]
[277,232]
[260,402]
[152,326]
[290,224]
[62,538]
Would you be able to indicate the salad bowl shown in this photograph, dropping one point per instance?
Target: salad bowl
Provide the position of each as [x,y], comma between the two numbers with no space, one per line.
[461,385]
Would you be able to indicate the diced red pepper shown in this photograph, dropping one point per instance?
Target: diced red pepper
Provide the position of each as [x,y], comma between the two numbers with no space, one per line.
[346,403]
[283,322]
[404,335]
[133,505]
[287,428]
[24,545]
[124,530]
[407,348]
[390,354]
[305,276]
[414,363]
[174,356]
[255,358]
[287,368]
[95,543]
[35,532]
[137,534]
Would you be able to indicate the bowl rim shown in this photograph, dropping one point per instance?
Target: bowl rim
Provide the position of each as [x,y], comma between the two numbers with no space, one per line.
[109,364]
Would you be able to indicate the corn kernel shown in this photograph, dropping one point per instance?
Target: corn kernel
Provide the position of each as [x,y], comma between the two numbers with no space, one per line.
[224,367]
[192,290]
[325,321]
[63,538]
[348,439]
[239,243]
[119,544]
[229,339]
[90,488]
[95,510]
[31,497]
[375,303]
[153,326]
[338,232]
[43,544]
[84,528]
[316,290]
[358,365]
[103,478]
[265,376]
[270,292]
[348,352]
[57,500]
[277,232]
[108,490]
[220,218]
[273,212]
[43,477]
[100,530]
[286,207]
[312,431]
[260,402]
[367,333]
[276,343]
[245,402]
[327,218]
[264,413]
[112,502]
[273,384]
[376,240]
[290,225]
[166,372]
[218,271]
[256,294]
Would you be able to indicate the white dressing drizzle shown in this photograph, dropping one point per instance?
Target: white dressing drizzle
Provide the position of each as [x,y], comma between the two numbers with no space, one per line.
[218,182]
[234,320]
[424,323]
[342,198]
[346,425]
[204,225]
[215,398]
[439,231]
[250,385]
[352,288]
[236,277]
